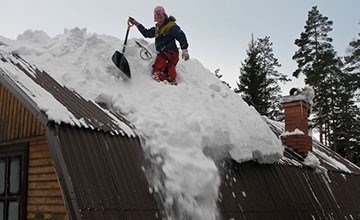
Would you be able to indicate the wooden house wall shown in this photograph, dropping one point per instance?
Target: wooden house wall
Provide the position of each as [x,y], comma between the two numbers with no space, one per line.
[17,124]
[15,121]
[44,199]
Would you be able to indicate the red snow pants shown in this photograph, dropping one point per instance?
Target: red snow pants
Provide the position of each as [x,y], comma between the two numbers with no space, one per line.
[164,66]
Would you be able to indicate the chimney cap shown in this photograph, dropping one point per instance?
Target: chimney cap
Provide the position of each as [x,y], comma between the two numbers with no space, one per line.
[306,95]
[293,98]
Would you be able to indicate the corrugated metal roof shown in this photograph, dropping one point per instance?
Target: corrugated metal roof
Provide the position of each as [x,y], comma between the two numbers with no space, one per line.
[87,113]
[288,189]
[101,174]
[107,175]
[274,191]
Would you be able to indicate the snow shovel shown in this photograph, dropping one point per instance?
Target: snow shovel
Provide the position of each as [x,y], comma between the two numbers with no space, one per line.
[119,59]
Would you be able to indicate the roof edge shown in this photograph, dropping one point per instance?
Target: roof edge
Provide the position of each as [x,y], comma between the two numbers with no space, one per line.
[23,98]
[62,172]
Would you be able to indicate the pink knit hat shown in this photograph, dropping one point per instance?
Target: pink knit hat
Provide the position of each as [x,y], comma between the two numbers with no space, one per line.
[159,10]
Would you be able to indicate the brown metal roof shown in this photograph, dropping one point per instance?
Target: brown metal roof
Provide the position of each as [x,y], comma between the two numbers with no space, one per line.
[107,175]
[274,191]
[88,112]
[101,174]
[288,189]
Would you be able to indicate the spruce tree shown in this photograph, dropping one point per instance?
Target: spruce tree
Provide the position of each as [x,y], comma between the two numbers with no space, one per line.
[273,77]
[252,79]
[345,135]
[258,80]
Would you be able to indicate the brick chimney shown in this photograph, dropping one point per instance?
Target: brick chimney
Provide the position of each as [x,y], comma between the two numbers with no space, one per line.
[296,124]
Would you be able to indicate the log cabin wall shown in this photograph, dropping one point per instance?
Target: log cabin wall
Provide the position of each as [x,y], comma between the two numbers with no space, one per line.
[44,198]
[15,121]
[18,125]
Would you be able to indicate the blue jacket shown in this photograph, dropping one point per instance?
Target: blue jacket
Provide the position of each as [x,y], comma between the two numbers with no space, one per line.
[166,35]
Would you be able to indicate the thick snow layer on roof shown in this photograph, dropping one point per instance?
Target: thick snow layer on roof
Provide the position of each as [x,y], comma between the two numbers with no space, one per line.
[177,123]
[22,73]
[45,101]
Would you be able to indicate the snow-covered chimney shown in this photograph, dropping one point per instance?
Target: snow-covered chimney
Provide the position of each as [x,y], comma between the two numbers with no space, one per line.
[297,106]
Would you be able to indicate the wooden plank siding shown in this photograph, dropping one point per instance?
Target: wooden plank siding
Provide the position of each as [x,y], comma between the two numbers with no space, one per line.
[15,121]
[17,124]
[44,199]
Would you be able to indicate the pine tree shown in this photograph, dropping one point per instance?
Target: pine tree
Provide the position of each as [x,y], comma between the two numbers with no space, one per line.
[335,110]
[354,58]
[258,80]
[352,62]
[317,60]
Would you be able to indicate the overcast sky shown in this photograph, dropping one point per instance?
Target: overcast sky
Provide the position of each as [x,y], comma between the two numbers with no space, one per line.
[218,31]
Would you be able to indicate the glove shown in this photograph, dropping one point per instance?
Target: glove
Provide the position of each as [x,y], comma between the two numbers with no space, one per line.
[185,54]
[132,21]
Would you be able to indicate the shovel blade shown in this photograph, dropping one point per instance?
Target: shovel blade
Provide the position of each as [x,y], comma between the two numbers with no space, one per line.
[120,62]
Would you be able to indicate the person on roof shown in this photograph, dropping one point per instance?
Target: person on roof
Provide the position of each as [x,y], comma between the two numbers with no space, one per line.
[165,31]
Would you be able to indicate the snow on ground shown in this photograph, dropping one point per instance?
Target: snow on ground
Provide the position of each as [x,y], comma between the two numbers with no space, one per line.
[177,124]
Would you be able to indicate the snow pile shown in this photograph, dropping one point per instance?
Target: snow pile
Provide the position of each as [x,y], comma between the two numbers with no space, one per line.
[180,126]
[312,161]
[307,94]
[47,103]
[290,133]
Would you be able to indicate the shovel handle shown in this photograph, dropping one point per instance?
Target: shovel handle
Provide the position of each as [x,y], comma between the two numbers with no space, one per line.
[126,36]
